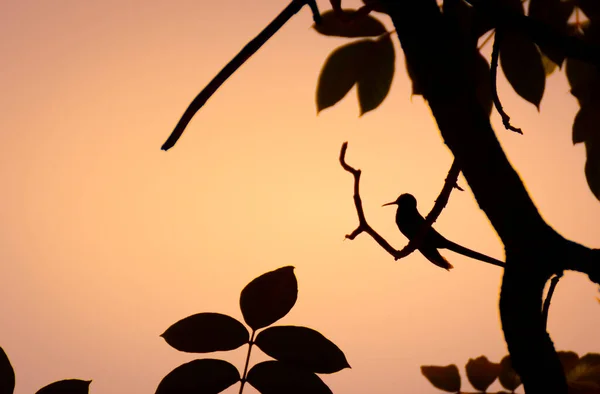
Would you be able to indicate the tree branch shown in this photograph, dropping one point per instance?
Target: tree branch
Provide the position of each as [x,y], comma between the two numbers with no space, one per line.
[548,299]
[415,243]
[493,75]
[235,63]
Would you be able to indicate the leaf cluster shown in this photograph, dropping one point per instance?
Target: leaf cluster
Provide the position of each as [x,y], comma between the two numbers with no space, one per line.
[299,353]
[583,374]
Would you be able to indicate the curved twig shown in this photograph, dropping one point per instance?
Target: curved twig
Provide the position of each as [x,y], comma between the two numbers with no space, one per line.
[551,289]
[493,74]
[235,63]
[415,243]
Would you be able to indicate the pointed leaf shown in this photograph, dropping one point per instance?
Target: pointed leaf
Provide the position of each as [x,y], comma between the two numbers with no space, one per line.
[205,376]
[276,377]
[482,79]
[587,123]
[206,332]
[349,25]
[592,165]
[339,73]
[302,347]
[269,297]
[68,386]
[444,378]
[508,377]
[568,360]
[376,75]
[584,80]
[7,374]
[481,372]
[522,65]
[554,13]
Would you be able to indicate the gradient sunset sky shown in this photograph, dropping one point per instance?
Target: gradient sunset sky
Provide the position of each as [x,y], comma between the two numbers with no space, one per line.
[106,240]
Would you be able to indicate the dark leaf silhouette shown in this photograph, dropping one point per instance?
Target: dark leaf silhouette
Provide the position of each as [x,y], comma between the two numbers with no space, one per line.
[359,25]
[376,5]
[206,376]
[482,78]
[339,73]
[276,377]
[269,297]
[522,65]
[481,372]
[444,378]
[508,377]
[376,75]
[302,347]
[583,79]
[586,374]
[587,123]
[7,374]
[68,386]
[206,332]
[416,87]
[554,13]
[568,360]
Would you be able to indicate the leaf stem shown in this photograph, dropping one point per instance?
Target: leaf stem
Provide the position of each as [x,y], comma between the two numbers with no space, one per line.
[247,361]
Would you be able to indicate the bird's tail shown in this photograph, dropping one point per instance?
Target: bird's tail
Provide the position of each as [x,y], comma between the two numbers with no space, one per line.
[472,254]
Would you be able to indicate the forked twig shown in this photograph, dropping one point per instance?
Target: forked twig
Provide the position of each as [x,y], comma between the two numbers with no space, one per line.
[235,63]
[413,244]
[493,75]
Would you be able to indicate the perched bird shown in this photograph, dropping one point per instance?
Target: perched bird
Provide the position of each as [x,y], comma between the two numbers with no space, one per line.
[409,221]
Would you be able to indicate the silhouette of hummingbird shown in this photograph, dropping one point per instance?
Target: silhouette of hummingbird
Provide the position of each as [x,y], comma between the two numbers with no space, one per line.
[409,221]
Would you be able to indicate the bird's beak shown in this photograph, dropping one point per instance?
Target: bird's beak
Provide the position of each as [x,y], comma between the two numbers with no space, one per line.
[389,203]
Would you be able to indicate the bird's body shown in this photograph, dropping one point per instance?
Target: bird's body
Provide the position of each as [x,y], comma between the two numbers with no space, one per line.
[409,221]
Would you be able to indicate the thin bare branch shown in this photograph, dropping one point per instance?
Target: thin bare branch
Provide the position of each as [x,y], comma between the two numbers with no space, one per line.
[415,243]
[235,63]
[494,73]
[548,299]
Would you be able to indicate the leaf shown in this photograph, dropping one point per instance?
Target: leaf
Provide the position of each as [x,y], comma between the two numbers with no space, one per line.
[483,81]
[507,376]
[549,65]
[339,73]
[350,25]
[586,374]
[444,378]
[586,125]
[376,5]
[275,377]
[583,79]
[522,65]
[269,297]
[568,360]
[302,347]
[7,374]
[481,372]
[68,386]
[206,332]
[205,376]
[554,13]
[376,75]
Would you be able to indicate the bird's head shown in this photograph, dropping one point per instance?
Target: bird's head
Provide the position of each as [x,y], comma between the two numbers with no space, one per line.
[405,200]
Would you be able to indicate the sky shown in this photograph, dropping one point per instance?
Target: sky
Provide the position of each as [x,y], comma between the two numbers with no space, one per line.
[105,240]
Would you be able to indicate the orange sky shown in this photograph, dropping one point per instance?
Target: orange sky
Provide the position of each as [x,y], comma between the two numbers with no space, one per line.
[106,240]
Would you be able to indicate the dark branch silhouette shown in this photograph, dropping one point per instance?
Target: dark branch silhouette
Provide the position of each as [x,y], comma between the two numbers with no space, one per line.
[493,75]
[235,63]
[416,242]
[548,299]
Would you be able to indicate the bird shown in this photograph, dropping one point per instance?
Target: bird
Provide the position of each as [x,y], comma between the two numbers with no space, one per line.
[409,221]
